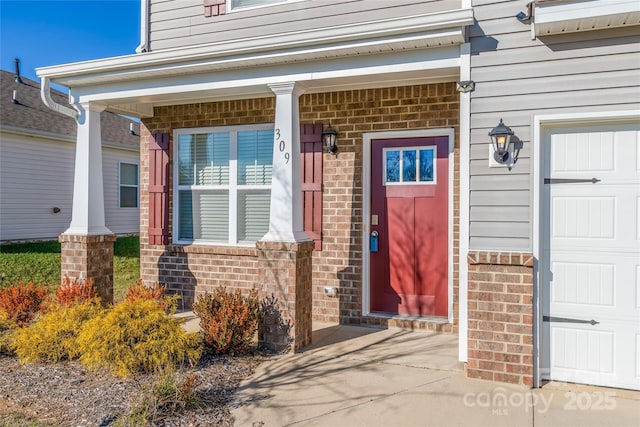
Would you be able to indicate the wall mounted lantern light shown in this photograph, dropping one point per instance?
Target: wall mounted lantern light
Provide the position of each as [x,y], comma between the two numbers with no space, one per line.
[501,138]
[329,139]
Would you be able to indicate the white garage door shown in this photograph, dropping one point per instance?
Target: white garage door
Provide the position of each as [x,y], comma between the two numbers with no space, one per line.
[591,256]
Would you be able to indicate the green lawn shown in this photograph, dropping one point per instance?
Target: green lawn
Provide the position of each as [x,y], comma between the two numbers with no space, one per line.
[40,263]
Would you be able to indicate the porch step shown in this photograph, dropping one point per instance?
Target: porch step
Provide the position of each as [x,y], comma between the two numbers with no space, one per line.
[412,323]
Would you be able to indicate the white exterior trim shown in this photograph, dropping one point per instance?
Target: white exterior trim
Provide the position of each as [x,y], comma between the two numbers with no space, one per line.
[120,185]
[366,206]
[232,187]
[569,16]
[87,214]
[463,237]
[539,122]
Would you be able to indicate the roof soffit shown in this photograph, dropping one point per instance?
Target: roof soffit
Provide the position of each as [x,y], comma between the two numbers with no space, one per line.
[566,16]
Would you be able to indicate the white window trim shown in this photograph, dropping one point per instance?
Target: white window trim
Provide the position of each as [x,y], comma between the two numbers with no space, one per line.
[231,9]
[232,187]
[120,184]
[417,149]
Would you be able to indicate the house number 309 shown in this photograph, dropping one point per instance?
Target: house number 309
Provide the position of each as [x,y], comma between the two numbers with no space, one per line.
[282,146]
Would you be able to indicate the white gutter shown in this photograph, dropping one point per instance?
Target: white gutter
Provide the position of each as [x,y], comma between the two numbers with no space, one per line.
[144,27]
[45,94]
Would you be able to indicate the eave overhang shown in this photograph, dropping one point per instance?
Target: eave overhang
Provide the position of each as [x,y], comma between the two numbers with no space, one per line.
[553,17]
[132,84]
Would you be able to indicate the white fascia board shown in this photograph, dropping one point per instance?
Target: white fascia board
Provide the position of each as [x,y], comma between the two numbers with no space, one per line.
[569,16]
[337,37]
[254,82]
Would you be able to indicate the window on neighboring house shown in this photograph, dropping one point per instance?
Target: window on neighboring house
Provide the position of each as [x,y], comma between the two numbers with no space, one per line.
[242,4]
[223,184]
[128,185]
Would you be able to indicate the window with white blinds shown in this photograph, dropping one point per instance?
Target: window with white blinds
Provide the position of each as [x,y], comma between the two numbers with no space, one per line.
[223,184]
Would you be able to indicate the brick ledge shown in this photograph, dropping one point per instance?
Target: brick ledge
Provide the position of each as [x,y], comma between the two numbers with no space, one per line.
[524,259]
[213,250]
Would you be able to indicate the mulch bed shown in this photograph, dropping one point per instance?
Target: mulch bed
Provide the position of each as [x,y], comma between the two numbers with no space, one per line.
[68,394]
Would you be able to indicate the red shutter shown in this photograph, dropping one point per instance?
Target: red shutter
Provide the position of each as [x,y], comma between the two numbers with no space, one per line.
[159,189]
[311,161]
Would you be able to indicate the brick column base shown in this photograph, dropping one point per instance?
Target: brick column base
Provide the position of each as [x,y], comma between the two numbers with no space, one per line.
[90,257]
[500,317]
[285,273]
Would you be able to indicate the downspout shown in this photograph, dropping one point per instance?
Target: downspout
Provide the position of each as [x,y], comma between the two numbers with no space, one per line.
[45,94]
[144,27]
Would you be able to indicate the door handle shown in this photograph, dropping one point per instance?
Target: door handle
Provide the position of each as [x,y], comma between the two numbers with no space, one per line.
[567,320]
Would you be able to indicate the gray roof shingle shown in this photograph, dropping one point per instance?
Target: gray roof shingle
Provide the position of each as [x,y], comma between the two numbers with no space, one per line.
[30,113]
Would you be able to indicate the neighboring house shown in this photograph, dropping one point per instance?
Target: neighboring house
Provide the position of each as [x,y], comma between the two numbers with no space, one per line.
[415,222]
[37,151]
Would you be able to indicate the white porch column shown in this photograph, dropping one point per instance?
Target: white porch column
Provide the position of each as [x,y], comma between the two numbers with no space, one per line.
[285,218]
[87,217]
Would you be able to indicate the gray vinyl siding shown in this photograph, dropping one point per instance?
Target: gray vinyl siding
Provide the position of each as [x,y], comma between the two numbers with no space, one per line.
[175,24]
[517,78]
[37,175]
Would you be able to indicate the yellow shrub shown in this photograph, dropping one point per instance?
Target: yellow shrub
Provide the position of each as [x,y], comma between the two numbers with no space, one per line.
[137,335]
[7,325]
[53,336]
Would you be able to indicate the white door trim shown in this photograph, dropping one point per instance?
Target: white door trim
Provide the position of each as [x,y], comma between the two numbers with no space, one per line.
[366,204]
[540,123]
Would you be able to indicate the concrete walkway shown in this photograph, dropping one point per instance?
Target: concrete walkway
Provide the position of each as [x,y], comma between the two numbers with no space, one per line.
[354,376]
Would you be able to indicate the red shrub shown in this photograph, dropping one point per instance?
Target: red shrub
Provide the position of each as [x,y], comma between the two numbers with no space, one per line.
[142,292]
[72,292]
[228,320]
[21,302]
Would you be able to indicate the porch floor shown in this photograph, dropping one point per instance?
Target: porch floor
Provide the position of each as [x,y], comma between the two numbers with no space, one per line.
[358,376]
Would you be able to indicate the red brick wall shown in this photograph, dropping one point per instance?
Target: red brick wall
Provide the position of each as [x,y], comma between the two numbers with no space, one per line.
[181,267]
[351,113]
[89,257]
[500,346]
[285,273]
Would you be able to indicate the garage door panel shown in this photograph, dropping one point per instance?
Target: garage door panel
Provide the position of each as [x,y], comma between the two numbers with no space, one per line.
[583,350]
[590,260]
[638,358]
[583,283]
[583,217]
[637,218]
[580,152]
[638,287]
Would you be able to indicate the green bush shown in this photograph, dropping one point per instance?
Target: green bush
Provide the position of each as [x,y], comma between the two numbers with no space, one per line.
[137,335]
[228,320]
[53,337]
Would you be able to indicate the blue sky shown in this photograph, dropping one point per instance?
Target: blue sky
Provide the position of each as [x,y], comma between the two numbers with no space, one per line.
[51,32]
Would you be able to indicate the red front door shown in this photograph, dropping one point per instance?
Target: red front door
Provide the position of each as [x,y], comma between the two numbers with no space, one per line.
[409,212]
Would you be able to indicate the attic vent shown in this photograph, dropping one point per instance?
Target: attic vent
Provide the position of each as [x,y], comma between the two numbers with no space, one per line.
[17,64]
